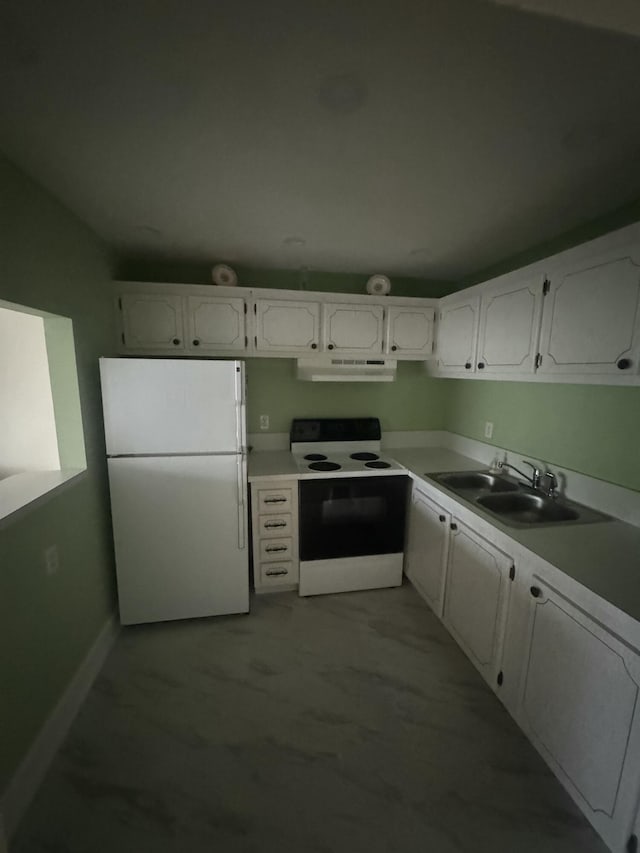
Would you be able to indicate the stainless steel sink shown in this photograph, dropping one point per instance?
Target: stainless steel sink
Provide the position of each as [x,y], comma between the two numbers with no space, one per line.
[514,503]
[477,481]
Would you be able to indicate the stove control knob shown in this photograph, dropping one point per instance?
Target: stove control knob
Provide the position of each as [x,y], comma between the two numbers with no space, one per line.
[330,346]
[314,346]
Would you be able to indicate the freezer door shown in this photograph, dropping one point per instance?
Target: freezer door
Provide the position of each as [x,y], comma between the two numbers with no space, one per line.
[154,406]
[179,527]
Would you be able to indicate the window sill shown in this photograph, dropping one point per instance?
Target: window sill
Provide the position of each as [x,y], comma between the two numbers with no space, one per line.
[20,492]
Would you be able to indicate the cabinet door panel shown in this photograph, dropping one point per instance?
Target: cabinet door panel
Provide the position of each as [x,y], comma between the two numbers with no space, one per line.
[476,598]
[457,335]
[216,323]
[409,331]
[579,705]
[152,321]
[353,328]
[509,327]
[287,326]
[427,549]
[591,320]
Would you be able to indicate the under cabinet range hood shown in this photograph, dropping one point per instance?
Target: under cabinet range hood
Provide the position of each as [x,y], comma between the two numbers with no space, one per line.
[328,369]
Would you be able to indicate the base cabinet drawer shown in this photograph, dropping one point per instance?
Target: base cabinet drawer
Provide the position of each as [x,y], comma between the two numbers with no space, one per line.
[276,549]
[274,574]
[275,525]
[274,500]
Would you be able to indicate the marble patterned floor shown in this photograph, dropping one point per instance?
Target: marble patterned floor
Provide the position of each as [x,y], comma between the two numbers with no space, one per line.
[337,723]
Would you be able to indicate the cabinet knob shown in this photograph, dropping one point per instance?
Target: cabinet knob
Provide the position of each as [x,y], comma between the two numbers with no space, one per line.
[536,592]
[453,526]
[623,363]
[176,341]
[314,346]
[467,366]
[394,348]
[330,346]
[481,365]
[442,518]
[196,342]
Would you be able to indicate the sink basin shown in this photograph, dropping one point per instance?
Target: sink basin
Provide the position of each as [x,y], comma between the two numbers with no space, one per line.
[528,508]
[514,503]
[477,481]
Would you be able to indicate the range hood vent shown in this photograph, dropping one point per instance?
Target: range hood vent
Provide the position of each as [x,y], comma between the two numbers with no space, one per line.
[327,369]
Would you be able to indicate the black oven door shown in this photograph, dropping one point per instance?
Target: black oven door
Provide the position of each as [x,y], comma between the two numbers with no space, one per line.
[352,516]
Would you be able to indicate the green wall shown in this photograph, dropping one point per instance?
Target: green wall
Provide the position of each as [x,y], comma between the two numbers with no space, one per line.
[51,261]
[587,428]
[413,401]
[592,429]
[142,269]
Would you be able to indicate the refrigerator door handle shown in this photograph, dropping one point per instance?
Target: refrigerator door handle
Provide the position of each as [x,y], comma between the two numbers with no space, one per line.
[241,503]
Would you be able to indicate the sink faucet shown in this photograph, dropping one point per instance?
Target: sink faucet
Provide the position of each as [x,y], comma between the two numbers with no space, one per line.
[534,479]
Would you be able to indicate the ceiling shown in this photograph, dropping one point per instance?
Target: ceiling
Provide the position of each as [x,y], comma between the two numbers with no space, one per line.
[428,138]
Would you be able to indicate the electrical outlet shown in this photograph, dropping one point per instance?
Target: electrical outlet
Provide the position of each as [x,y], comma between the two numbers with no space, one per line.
[51,559]
[264,421]
[488,429]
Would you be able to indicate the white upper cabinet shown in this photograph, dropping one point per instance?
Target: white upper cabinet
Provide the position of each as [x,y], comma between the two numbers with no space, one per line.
[409,331]
[509,325]
[152,321]
[427,549]
[580,706]
[458,333]
[353,328]
[591,321]
[476,598]
[289,325]
[216,323]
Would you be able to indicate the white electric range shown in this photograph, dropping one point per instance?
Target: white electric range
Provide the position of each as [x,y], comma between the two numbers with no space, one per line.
[352,505]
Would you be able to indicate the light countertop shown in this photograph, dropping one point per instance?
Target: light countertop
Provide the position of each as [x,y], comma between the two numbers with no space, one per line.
[604,557]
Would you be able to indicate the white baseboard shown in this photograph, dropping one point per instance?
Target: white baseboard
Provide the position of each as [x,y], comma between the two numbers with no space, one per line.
[30,773]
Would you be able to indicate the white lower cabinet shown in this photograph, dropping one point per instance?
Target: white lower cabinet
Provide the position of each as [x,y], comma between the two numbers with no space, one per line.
[274,525]
[476,598]
[427,548]
[579,705]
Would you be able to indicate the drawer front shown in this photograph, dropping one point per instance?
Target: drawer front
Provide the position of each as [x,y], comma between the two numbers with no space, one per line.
[276,549]
[277,573]
[274,500]
[275,525]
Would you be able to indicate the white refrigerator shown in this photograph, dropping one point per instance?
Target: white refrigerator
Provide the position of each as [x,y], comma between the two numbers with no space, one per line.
[176,447]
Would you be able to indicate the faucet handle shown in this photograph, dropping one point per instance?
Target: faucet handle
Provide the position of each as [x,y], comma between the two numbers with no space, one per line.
[552,483]
[535,477]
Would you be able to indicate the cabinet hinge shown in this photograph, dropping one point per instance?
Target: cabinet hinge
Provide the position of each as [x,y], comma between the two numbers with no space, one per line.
[546,286]
[246,341]
[122,336]
[255,307]
[120,303]
[632,844]
[255,341]
[538,359]
[500,678]
[512,573]
[245,307]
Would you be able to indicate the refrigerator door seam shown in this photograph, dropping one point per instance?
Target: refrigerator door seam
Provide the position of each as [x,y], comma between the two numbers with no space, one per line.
[241,504]
[170,455]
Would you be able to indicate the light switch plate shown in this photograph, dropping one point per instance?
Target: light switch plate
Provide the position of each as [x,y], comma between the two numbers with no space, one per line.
[488,429]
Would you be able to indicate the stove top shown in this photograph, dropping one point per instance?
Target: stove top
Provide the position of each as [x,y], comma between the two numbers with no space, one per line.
[339,447]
